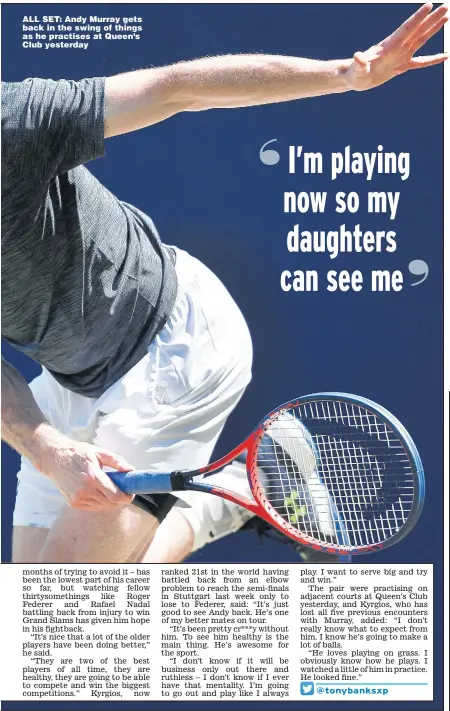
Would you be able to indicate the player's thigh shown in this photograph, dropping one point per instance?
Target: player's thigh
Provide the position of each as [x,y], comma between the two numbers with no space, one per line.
[98,537]
[172,542]
[27,543]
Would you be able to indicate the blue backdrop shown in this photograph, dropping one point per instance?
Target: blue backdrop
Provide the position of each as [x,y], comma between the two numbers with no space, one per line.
[200,178]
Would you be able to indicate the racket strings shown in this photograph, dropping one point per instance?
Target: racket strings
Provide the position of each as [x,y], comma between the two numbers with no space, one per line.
[336,472]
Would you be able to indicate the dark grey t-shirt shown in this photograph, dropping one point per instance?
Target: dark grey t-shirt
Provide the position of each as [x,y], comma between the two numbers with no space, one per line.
[86,282]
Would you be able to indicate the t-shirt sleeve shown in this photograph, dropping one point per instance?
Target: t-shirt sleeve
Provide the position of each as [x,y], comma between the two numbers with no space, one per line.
[50,127]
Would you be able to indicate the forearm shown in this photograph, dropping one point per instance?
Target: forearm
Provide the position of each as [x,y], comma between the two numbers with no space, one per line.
[248,80]
[145,97]
[24,426]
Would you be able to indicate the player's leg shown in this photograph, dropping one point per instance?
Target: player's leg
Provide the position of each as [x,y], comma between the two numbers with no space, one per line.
[38,502]
[173,541]
[27,543]
[98,536]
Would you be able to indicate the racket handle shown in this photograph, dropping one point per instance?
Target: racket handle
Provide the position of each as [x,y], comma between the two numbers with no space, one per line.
[143,482]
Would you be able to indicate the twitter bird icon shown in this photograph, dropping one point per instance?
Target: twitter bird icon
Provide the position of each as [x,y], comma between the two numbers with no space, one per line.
[307,688]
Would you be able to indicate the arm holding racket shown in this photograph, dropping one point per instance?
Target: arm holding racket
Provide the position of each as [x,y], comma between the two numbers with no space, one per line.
[75,467]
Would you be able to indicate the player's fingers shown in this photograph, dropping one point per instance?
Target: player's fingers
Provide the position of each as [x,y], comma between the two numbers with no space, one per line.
[114,461]
[105,485]
[430,61]
[428,22]
[111,491]
[423,38]
[410,25]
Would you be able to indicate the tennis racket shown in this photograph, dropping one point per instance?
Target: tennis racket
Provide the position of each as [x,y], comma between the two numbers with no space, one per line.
[333,471]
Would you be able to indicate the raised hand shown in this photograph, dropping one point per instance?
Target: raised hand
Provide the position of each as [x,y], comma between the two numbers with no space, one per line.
[395,54]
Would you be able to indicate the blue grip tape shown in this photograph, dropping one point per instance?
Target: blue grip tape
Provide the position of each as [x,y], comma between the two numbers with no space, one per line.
[141,482]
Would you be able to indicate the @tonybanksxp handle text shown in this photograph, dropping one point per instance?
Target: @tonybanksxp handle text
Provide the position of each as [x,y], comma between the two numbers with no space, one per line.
[307,689]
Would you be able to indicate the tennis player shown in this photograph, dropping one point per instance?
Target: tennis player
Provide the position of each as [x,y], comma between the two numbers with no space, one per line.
[138,369]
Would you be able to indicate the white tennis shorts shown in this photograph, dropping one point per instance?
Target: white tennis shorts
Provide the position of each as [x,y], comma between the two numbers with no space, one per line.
[167,412]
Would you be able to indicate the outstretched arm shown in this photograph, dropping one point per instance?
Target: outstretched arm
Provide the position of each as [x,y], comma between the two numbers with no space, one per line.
[145,97]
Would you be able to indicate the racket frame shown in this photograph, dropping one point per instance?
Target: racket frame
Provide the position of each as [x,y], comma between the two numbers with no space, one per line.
[184,480]
[262,507]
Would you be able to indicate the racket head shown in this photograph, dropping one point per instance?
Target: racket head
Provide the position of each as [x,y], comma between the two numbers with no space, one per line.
[353,482]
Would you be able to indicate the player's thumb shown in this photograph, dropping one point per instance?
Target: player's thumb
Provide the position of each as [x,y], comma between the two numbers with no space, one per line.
[361,62]
[115,461]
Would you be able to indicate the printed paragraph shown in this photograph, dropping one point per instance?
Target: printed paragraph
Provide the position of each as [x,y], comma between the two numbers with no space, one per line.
[182,632]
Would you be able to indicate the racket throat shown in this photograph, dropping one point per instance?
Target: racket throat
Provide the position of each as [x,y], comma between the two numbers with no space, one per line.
[179,478]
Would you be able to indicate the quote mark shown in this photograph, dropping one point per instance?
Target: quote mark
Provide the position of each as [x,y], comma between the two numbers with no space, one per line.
[419,268]
[269,157]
